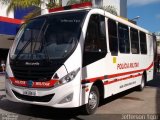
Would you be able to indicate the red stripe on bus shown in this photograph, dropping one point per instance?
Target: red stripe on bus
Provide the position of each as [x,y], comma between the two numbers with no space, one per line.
[114,75]
[131,72]
[86,4]
[121,79]
[74,6]
[56,9]
[11,20]
[21,83]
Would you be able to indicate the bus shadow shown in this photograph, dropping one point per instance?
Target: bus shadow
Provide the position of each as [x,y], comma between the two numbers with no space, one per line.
[118,96]
[158,103]
[156,83]
[55,113]
[41,112]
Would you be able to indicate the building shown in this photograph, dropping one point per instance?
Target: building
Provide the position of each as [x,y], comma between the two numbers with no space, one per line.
[158,40]
[157,61]
[9,25]
[120,5]
[158,43]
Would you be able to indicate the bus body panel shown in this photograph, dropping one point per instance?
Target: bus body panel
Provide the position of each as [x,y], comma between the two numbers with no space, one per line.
[117,73]
[125,78]
[60,93]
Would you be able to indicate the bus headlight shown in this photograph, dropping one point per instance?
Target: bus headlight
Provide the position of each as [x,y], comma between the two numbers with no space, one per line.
[69,77]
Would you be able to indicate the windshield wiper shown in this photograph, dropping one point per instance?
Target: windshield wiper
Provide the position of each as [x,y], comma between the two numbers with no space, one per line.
[23,48]
[33,46]
[44,44]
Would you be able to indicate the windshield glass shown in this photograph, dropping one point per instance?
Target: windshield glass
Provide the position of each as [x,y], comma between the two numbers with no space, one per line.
[48,37]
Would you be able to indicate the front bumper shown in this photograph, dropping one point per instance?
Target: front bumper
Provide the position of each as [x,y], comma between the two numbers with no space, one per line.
[53,97]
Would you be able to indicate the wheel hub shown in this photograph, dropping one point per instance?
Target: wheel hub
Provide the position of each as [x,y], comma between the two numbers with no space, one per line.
[92,100]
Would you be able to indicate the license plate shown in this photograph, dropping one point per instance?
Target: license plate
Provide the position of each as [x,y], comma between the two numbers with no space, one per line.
[30,92]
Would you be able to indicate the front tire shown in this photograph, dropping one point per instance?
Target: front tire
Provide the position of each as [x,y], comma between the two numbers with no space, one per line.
[93,101]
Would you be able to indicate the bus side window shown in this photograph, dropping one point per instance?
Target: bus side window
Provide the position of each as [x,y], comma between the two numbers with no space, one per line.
[113,39]
[143,43]
[123,34]
[95,47]
[134,41]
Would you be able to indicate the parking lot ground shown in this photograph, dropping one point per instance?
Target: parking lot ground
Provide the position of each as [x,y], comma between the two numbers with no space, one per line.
[126,105]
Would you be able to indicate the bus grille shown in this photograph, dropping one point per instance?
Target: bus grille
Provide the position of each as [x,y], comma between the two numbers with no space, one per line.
[46,98]
[33,73]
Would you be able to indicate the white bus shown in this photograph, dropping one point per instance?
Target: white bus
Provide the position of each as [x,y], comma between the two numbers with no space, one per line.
[74,58]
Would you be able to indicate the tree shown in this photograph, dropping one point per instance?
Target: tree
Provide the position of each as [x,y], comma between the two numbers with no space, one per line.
[16,4]
[54,4]
[22,4]
[70,2]
[111,9]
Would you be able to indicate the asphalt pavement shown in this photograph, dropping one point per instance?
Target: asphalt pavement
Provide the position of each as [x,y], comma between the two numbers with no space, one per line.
[128,105]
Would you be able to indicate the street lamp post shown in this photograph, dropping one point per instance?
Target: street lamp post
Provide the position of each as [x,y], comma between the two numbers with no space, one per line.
[133,20]
[136,18]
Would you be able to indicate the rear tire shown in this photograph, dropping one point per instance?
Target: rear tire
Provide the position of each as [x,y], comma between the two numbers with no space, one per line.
[93,101]
[142,85]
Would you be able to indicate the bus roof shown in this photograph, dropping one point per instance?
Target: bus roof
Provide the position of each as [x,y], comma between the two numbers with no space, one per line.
[107,14]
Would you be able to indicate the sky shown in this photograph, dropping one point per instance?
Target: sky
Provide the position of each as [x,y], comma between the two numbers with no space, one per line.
[149,12]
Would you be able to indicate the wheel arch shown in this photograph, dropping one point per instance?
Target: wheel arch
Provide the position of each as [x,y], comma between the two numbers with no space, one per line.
[145,75]
[100,87]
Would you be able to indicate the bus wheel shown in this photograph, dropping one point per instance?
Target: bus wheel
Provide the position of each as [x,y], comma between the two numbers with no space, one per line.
[93,101]
[142,85]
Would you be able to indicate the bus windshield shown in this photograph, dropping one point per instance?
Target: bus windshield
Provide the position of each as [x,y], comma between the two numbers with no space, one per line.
[48,37]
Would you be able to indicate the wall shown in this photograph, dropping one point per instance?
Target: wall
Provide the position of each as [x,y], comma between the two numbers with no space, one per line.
[9,24]
[4,11]
[120,5]
[8,27]
[5,43]
[158,45]
[123,8]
